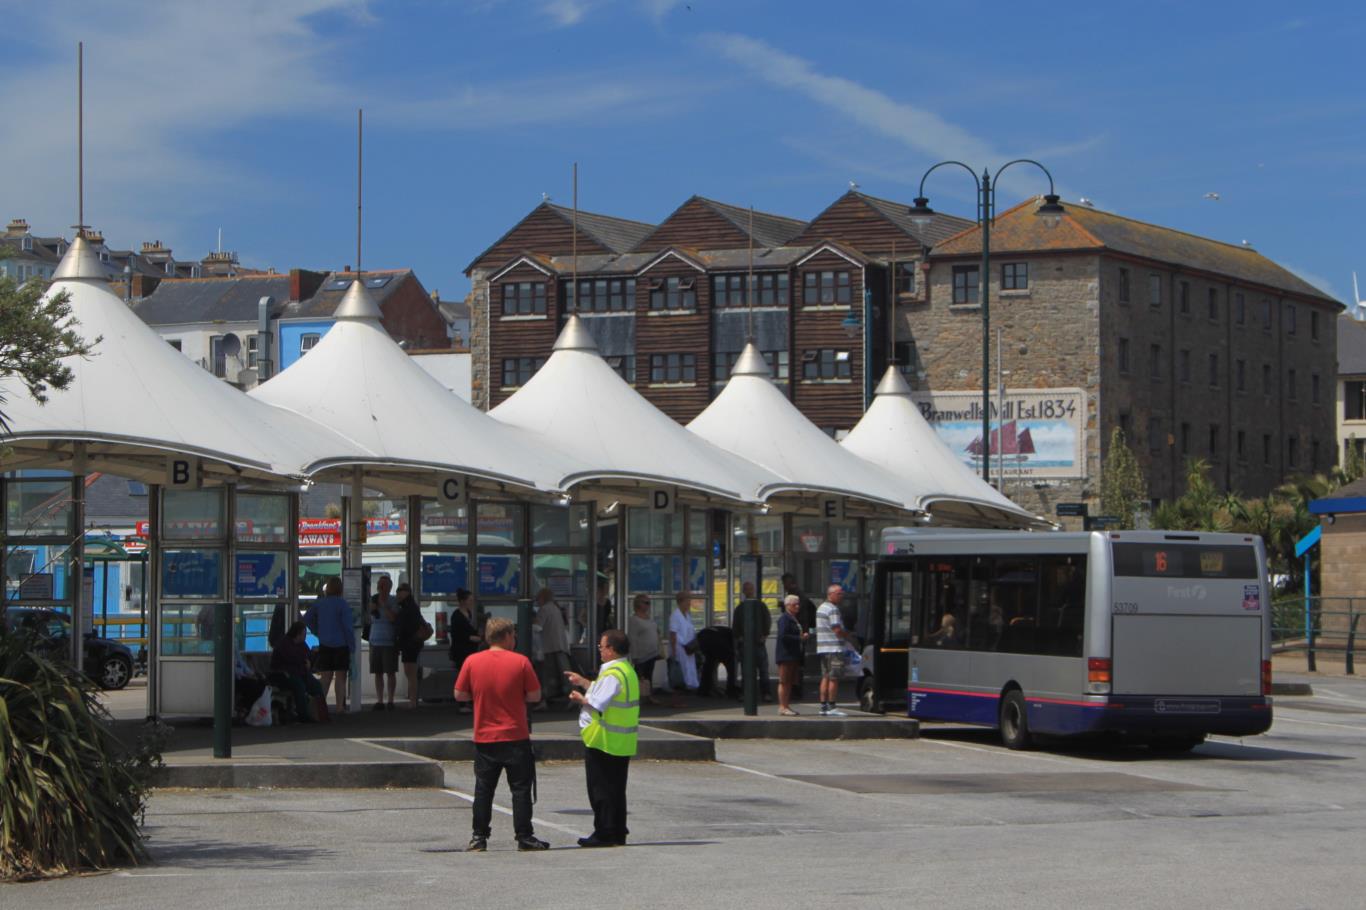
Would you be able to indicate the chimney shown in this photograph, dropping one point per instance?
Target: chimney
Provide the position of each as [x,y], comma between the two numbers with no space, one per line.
[17,227]
[303,283]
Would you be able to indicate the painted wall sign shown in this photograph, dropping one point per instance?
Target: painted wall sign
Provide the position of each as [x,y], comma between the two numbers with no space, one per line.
[1039,433]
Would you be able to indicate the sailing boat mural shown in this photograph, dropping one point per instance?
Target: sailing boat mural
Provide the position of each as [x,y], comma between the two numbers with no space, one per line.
[1009,442]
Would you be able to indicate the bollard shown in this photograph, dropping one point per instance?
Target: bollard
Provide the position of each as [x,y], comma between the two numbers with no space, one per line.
[222,681]
[1351,645]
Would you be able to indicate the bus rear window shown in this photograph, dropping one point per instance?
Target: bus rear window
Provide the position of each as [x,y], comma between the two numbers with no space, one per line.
[1164,560]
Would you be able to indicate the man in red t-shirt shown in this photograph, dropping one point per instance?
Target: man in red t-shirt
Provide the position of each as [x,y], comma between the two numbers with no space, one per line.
[501,682]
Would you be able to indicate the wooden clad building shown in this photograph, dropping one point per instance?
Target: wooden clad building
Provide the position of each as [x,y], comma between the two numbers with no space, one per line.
[669,308]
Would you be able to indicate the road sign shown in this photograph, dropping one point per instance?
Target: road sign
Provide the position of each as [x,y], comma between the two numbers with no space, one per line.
[1071,510]
[1101,522]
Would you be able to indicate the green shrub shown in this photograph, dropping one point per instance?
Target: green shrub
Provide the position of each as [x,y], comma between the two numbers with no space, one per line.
[71,795]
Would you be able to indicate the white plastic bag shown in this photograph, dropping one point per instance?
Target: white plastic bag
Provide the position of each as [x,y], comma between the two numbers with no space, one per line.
[853,664]
[259,715]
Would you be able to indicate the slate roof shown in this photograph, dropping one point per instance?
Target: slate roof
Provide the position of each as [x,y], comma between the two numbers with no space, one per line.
[941,227]
[1084,228]
[183,301]
[769,229]
[619,235]
[1351,346]
[324,303]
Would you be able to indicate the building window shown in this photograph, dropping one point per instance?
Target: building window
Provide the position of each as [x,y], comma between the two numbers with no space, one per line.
[625,367]
[905,277]
[1313,455]
[1155,361]
[1214,440]
[729,290]
[1214,304]
[1015,276]
[1185,438]
[253,350]
[1290,384]
[1292,451]
[307,342]
[965,284]
[1240,375]
[1266,379]
[1314,325]
[723,363]
[1123,285]
[1266,449]
[1314,388]
[1354,400]
[1126,426]
[602,295]
[825,364]
[1124,355]
[826,288]
[1154,435]
[1290,319]
[517,371]
[523,298]
[673,368]
[673,294]
[1266,315]
[1353,447]
[1239,309]
[1214,371]
[1155,290]
[174,342]
[1183,365]
[1185,298]
[1241,444]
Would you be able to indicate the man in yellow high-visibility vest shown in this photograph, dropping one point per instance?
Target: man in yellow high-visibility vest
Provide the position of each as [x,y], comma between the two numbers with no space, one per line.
[607,723]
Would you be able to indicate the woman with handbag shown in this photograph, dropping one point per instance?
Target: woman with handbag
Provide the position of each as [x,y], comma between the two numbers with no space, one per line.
[682,647]
[413,632]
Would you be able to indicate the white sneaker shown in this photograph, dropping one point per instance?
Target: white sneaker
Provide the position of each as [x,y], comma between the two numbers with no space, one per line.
[835,712]
[824,710]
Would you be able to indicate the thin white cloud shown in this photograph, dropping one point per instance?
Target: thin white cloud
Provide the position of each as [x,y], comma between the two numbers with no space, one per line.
[565,13]
[915,127]
[168,80]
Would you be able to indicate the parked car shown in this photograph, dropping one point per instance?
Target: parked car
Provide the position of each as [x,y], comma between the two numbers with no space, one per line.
[108,663]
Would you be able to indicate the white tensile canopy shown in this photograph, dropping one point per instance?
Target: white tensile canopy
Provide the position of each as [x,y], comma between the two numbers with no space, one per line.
[357,381]
[136,399]
[895,435]
[755,420]
[578,404]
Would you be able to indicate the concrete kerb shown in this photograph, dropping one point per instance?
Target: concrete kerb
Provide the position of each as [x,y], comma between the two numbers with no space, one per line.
[814,728]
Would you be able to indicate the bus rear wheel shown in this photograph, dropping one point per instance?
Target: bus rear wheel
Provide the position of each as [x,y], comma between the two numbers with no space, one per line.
[1015,721]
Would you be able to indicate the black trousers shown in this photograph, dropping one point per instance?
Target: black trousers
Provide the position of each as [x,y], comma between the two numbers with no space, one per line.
[490,760]
[606,775]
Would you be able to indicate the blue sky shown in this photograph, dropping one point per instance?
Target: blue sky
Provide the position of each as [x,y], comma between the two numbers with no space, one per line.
[241,116]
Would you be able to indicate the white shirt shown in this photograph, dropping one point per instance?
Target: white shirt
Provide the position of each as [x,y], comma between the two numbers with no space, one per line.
[827,621]
[600,693]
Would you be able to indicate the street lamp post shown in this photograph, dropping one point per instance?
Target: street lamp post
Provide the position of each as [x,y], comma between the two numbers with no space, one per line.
[921,213]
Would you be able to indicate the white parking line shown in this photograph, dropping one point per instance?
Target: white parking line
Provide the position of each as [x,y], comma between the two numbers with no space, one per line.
[469,798]
[1281,718]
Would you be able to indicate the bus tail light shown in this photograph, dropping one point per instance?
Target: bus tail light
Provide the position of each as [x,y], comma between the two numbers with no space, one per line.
[1098,675]
[1266,677]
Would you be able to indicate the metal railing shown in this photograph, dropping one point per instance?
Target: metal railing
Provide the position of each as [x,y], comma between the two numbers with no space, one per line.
[1317,626]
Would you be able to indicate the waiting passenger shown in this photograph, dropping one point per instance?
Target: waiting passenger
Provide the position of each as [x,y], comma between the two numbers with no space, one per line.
[290,667]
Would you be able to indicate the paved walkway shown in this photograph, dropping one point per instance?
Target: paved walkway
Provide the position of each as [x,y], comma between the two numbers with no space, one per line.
[404,748]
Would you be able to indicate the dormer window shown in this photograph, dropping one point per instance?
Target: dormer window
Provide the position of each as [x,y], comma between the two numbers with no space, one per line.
[26,243]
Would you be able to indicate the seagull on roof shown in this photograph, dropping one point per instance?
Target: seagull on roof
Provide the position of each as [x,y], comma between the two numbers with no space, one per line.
[853,185]
[1213,197]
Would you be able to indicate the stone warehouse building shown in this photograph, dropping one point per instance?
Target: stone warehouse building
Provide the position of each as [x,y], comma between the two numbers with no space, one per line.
[1194,348]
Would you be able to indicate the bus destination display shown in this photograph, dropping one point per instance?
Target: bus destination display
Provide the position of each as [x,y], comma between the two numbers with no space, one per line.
[1144,560]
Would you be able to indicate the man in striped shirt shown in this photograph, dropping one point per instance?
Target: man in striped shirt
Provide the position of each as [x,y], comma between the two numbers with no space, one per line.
[830,636]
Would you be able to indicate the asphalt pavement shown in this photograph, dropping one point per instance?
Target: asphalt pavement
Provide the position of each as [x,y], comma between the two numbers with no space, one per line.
[948,820]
